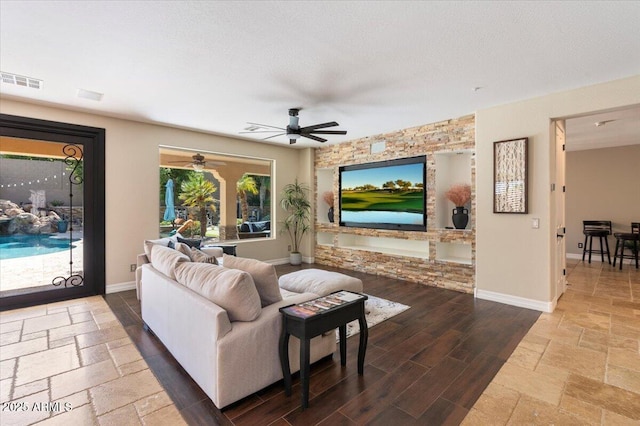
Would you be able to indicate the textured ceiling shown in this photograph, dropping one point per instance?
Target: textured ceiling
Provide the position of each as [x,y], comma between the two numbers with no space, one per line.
[373,67]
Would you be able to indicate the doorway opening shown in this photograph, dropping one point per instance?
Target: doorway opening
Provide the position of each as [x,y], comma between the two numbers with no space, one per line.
[52,218]
[600,156]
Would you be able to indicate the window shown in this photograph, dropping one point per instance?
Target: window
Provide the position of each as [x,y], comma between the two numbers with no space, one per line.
[214,197]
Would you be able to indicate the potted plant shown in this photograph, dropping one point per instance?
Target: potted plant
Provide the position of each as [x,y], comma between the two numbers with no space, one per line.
[328,198]
[295,202]
[63,224]
[459,194]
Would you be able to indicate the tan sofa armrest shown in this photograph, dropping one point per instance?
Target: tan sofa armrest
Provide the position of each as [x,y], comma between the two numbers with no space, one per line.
[140,260]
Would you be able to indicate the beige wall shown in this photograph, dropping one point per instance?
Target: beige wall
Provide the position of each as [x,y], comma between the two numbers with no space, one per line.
[602,184]
[512,259]
[132,177]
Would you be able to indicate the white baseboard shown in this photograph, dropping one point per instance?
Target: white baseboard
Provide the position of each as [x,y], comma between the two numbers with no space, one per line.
[282,261]
[116,288]
[577,256]
[285,260]
[521,302]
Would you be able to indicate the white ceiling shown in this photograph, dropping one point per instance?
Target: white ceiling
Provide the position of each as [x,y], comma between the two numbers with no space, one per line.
[374,67]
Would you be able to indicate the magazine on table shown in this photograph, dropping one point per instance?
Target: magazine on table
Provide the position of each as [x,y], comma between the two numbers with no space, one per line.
[321,304]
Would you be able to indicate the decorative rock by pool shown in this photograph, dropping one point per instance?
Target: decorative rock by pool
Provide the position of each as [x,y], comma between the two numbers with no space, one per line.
[14,220]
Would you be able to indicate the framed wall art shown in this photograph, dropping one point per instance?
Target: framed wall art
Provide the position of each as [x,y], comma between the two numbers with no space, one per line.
[510,181]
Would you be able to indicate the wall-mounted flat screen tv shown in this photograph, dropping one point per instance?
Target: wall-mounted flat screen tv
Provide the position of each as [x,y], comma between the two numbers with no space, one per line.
[384,195]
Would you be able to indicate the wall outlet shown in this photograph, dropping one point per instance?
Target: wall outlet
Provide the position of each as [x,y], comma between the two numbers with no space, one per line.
[132,267]
[535,223]
[580,245]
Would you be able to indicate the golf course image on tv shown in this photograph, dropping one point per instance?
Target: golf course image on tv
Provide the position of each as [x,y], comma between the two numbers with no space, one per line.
[388,194]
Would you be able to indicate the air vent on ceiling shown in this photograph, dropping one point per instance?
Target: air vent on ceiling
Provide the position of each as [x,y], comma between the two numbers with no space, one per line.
[20,80]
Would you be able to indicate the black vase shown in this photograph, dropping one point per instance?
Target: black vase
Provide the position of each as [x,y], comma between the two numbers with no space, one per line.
[460,217]
[330,214]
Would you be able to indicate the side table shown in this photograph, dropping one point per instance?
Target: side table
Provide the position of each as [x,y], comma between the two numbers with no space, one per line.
[310,319]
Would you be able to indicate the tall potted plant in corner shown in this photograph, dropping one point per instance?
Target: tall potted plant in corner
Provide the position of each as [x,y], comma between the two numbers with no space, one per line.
[295,202]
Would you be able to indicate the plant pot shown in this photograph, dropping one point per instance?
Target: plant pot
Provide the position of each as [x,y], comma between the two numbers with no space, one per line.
[460,217]
[295,258]
[330,214]
[62,226]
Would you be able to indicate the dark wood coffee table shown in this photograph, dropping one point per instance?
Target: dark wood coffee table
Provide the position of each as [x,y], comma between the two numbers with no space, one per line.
[310,319]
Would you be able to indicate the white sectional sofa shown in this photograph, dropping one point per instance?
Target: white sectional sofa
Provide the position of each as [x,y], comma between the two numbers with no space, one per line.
[221,324]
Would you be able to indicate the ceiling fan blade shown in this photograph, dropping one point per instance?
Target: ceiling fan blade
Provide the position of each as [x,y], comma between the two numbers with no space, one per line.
[315,138]
[319,126]
[273,136]
[330,132]
[265,125]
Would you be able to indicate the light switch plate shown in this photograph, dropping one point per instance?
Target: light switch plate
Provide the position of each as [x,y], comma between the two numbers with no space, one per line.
[535,223]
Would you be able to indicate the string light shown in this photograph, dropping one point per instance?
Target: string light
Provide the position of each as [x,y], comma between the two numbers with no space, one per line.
[30,182]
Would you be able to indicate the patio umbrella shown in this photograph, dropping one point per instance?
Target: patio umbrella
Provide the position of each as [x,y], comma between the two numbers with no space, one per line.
[170,210]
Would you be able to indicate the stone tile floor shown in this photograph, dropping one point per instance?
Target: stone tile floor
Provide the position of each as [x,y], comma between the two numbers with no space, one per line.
[72,363]
[579,365]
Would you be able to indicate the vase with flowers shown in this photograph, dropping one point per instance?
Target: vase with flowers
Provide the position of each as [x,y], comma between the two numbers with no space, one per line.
[459,195]
[330,200]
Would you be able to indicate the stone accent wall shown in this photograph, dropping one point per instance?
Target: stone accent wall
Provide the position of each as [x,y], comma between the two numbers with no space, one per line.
[433,269]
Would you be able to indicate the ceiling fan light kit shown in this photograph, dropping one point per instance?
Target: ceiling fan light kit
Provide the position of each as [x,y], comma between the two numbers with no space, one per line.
[198,162]
[293,131]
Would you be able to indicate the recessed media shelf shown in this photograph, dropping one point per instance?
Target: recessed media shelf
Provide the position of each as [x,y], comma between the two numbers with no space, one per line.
[392,246]
[325,184]
[325,238]
[452,167]
[454,253]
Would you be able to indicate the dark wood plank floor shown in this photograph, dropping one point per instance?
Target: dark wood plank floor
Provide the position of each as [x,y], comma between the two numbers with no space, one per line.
[427,365]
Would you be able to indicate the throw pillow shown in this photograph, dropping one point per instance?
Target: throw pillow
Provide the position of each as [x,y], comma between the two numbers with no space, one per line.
[202,257]
[166,242]
[190,242]
[264,276]
[195,255]
[232,290]
[165,259]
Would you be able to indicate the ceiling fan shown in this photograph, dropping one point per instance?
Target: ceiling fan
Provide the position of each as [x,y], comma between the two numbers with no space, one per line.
[198,162]
[294,131]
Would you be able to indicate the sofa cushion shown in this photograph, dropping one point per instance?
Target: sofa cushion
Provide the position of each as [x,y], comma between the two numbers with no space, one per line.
[319,281]
[231,289]
[165,259]
[264,276]
[195,254]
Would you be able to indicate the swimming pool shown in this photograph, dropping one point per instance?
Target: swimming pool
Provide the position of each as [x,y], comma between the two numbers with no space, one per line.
[25,245]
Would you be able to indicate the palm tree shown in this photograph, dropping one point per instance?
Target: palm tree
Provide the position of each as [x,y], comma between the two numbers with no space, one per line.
[244,186]
[263,182]
[197,192]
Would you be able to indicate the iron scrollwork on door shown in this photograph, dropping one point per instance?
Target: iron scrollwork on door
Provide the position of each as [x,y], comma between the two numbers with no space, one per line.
[74,157]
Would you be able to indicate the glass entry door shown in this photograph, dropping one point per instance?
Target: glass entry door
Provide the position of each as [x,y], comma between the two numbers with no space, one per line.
[51,214]
[41,223]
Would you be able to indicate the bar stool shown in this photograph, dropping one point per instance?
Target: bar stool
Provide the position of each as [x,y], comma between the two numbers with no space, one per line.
[630,240]
[600,229]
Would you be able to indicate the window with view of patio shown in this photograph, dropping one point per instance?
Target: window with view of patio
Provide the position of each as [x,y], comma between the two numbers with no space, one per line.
[214,197]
